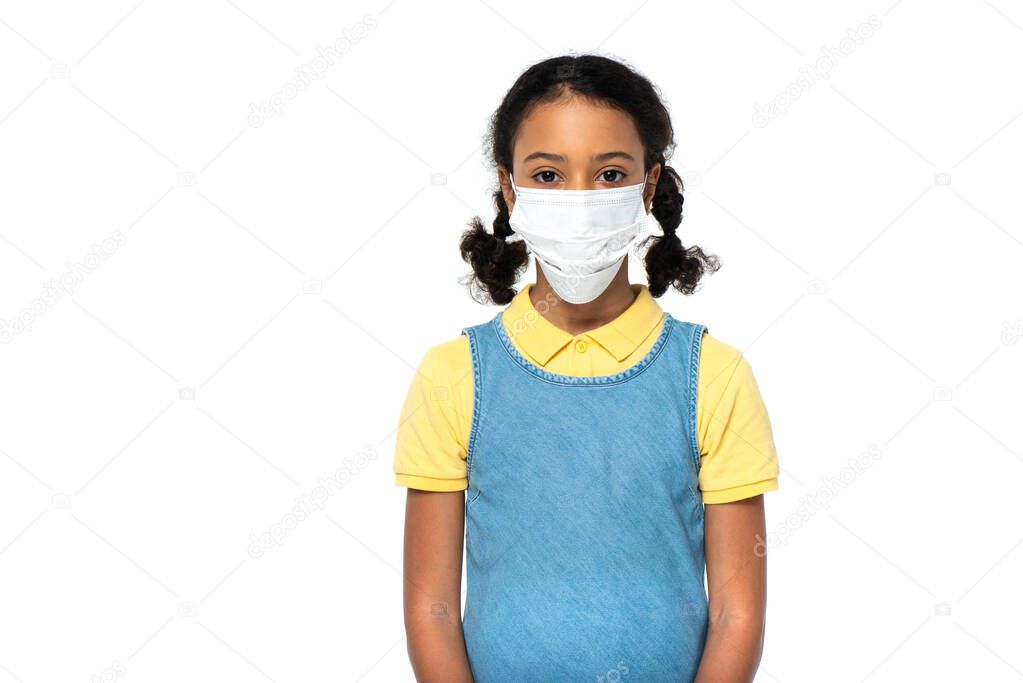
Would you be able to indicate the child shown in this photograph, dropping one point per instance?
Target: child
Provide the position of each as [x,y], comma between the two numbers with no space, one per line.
[598,454]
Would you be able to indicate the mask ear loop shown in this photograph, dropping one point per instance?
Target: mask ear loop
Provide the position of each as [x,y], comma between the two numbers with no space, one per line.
[515,236]
[646,181]
[654,227]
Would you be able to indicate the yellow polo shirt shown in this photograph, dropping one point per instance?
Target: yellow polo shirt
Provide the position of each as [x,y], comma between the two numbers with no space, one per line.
[737,454]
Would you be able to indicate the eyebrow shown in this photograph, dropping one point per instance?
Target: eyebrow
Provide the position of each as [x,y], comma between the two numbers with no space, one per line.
[605,156]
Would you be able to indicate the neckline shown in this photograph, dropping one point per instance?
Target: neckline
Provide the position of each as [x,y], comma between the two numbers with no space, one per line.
[595,380]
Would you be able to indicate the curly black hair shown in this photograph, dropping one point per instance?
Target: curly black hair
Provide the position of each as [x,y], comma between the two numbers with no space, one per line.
[497,264]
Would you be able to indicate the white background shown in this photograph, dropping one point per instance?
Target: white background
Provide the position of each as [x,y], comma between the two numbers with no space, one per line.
[293,273]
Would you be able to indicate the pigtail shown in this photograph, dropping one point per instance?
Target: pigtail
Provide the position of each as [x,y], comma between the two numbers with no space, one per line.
[668,263]
[496,263]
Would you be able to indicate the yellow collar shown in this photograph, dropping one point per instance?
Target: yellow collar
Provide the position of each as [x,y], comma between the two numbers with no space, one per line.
[540,339]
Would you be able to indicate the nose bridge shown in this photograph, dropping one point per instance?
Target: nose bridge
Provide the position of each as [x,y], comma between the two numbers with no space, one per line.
[581,179]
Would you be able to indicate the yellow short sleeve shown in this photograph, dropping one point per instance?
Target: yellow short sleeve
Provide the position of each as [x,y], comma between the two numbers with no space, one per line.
[737,453]
[435,420]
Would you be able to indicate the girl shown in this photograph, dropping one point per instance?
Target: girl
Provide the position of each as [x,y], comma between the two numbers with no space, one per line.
[599,454]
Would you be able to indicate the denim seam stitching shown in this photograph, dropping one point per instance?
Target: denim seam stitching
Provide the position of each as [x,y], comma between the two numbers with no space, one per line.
[694,368]
[592,381]
[694,387]
[477,400]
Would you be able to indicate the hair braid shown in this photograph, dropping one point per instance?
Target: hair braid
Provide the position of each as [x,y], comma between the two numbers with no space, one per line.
[668,263]
[496,264]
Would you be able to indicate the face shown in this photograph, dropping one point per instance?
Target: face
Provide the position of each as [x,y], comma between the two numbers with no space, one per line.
[574,144]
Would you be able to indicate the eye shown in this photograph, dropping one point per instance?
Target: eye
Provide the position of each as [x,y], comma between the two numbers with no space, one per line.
[612,171]
[546,177]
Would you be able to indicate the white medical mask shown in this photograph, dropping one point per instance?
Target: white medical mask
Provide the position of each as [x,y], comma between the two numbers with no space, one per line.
[581,237]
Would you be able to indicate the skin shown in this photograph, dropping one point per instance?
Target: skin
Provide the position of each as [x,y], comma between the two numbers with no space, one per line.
[574,144]
[434,528]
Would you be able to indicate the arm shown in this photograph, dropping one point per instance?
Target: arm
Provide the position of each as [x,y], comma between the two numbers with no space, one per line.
[434,531]
[737,591]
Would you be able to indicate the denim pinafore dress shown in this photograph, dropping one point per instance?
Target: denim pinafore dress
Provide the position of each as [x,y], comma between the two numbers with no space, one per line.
[584,523]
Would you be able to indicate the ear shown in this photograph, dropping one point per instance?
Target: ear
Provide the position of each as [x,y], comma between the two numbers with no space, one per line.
[504,180]
[653,175]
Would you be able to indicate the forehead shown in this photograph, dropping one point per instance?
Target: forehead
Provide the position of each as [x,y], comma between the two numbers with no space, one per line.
[576,128]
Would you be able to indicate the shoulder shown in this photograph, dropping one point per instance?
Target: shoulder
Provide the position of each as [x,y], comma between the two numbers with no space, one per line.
[716,350]
[447,358]
[719,364]
[445,369]
[726,379]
